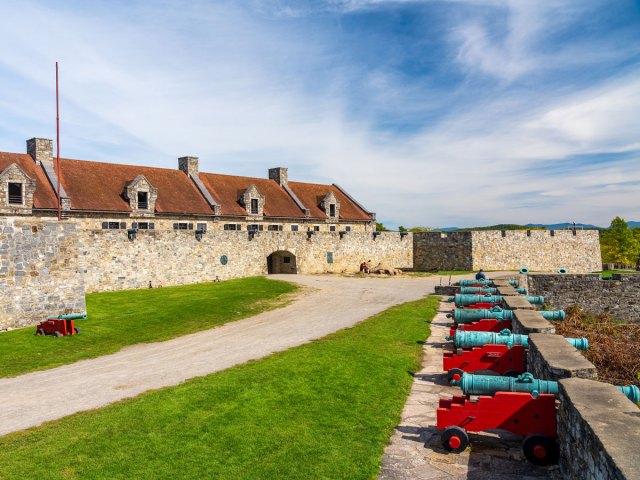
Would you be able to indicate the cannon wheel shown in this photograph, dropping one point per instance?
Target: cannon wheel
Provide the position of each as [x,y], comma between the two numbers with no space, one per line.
[76,330]
[453,373]
[540,449]
[455,439]
[57,334]
[40,332]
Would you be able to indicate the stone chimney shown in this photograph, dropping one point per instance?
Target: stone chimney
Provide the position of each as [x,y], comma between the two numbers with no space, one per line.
[41,150]
[279,174]
[189,165]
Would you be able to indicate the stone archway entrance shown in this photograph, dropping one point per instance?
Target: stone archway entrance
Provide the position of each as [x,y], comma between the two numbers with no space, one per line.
[282,262]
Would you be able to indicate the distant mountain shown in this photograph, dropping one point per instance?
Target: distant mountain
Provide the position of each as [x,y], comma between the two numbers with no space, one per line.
[634,224]
[562,226]
[549,226]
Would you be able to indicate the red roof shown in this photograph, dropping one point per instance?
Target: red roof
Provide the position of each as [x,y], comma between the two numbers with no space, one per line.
[311,194]
[100,187]
[44,196]
[97,186]
[227,189]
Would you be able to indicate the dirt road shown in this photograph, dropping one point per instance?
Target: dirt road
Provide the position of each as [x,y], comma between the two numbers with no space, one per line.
[328,304]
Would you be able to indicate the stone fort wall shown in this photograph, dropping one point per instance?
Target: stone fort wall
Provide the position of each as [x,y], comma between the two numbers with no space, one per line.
[46,267]
[161,258]
[40,272]
[538,250]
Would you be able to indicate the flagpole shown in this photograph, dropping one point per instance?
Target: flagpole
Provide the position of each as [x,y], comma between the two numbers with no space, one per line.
[58,141]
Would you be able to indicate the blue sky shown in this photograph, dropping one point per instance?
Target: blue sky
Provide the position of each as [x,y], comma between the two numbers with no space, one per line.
[435,113]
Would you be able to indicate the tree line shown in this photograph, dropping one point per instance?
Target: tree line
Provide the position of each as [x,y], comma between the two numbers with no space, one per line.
[619,243]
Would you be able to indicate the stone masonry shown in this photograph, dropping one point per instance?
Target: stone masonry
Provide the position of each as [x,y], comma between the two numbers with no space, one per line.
[619,297]
[111,261]
[538,250]
[39,271]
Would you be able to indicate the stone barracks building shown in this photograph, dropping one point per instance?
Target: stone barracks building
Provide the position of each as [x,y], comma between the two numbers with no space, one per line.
[120,197]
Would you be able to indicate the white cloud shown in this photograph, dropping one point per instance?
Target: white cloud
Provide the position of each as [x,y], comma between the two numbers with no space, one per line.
[242,93]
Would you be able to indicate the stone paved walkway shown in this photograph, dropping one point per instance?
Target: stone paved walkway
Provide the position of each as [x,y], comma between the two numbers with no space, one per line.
[415,452]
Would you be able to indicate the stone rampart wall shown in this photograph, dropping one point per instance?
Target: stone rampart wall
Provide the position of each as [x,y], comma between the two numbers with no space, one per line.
[538,250]
[39,271]
[442,251]
[619,297]
[161,258]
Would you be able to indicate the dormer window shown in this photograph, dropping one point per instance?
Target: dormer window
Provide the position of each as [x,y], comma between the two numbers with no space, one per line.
[143,200]
[331,206]
[16,191]
[253,201]
[142,196]
[15,194]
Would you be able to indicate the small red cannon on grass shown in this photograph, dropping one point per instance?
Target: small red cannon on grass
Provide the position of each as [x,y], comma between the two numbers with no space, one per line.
[61,325]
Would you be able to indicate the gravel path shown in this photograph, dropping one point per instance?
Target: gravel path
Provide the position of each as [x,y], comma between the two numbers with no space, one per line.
[327,304]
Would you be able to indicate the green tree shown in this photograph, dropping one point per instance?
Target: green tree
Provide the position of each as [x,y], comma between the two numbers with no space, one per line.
[402,229]
[420,229]
[620,244]
[380,227]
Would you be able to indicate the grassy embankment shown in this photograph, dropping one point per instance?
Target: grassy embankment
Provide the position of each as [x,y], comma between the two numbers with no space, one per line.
[322,410]
[118,319]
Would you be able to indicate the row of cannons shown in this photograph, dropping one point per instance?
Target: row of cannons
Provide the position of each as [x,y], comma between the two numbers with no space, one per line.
[488,363]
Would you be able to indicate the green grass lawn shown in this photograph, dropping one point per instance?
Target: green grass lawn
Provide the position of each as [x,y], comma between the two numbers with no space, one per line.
[118,319]
[606,273]
[322,410]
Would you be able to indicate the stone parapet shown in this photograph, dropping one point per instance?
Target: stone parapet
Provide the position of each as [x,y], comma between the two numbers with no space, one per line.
[517,303]
[506,291]
[598,431]
[618,297]
[551,357]
[526,322]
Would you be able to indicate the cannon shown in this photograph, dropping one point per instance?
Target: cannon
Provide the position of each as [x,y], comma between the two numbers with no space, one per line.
[488,360]
[471,315]
[579,343]
[632,392]
[514,283]
[488,385]
[471,283]
[488,325]
[522,291]
[553,314]
[519,413]
[523,405]
[469,339]
[478,290]
[60,325]
[463,300]
[535,300]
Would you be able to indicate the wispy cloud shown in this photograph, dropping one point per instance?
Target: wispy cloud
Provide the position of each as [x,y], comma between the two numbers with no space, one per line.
[430,112]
